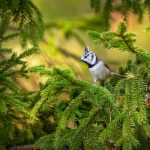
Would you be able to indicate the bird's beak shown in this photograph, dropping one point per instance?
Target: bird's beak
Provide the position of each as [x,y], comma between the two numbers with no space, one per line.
[82,58]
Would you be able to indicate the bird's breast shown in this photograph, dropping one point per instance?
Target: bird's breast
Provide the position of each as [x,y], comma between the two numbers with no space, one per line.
[100,71]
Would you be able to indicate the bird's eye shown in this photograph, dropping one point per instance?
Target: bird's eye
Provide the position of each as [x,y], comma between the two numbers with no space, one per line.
[86,56]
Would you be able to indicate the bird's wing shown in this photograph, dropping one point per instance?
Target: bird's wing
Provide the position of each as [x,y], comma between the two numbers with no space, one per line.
[107,66]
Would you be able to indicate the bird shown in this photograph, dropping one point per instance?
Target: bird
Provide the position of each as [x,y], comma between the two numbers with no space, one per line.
[99,70]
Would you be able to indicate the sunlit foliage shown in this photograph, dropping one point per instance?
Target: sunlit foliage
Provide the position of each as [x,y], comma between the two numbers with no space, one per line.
[102,118]
[65,112]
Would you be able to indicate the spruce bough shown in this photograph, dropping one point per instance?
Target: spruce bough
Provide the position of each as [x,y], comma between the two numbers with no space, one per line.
[94,117]
[22,21]
[103,118]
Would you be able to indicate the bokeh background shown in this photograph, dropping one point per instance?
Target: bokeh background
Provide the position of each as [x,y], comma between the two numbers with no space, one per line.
[66,23]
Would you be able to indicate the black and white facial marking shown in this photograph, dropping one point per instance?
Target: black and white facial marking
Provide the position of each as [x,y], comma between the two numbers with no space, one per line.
[89,57]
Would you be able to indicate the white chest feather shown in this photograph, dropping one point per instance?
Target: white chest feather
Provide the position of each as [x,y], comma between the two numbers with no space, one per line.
[100,71]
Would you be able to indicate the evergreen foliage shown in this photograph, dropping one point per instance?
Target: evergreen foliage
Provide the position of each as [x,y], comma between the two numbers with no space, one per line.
[75,114]
[114,117]
[14,102]
[105,7]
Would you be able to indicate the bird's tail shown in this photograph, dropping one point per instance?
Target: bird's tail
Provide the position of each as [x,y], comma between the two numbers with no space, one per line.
[117,74]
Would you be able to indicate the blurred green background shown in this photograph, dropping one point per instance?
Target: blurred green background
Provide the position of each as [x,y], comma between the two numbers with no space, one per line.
[66,25]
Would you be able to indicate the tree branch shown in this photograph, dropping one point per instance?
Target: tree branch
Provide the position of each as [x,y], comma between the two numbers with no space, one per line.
[21,147]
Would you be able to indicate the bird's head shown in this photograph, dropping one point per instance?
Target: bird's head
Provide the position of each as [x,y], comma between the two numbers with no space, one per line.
[89,57]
